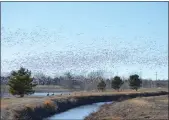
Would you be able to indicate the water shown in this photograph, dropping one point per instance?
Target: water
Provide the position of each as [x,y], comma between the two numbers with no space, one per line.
[77,113]
[36,94]
[45,93]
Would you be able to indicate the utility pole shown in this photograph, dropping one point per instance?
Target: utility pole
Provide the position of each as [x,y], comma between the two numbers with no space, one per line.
[156,80]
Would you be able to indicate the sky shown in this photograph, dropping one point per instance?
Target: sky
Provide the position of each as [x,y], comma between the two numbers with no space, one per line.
[119,38]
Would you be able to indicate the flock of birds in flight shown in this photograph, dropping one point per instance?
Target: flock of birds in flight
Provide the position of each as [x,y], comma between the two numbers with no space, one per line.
[128,54]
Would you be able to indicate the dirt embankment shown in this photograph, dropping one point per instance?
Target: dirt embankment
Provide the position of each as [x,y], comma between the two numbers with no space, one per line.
[155,107]
[42,108]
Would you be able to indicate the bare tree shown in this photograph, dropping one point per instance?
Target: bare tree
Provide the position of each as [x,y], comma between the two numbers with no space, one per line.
[69,78]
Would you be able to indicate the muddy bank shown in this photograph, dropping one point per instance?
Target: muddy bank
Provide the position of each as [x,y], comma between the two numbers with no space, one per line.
[51,106]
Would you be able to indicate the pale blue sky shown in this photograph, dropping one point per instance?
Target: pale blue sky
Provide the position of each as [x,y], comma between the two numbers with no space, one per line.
[55,37]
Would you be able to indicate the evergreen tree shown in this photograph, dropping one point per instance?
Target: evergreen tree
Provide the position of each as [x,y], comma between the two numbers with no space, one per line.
[134,82]
[20,82]
[116,83]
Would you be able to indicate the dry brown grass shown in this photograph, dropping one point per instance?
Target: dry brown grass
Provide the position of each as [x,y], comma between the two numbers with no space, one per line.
[155,107]
[30,106]
[111,91]
[4,106]
[139,102]
[165,101]
[25,100]
[34,102]
[112,118]
[12,101]
[49,103]
[101,93]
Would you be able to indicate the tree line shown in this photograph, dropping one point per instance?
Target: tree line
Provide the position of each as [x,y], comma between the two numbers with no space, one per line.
[21,82]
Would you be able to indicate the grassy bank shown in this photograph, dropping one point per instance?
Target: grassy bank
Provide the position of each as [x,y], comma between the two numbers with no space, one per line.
[35,108]
[155,107]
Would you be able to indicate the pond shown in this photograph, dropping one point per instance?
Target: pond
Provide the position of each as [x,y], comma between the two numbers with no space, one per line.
[50,93]
[37,94]
[77,113]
